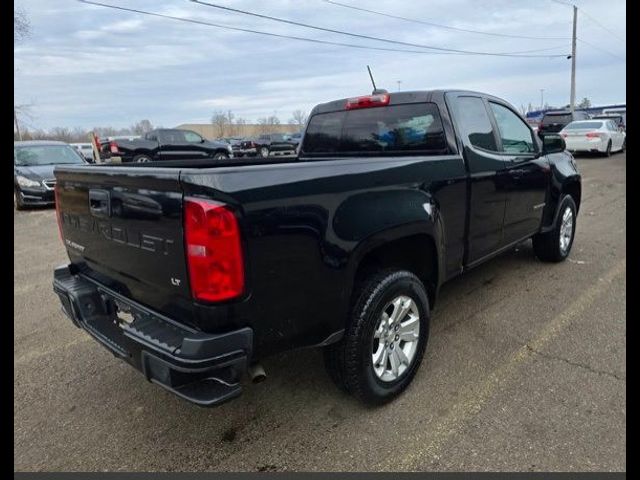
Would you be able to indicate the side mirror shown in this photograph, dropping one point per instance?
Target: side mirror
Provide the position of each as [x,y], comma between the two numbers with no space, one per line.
[552,143]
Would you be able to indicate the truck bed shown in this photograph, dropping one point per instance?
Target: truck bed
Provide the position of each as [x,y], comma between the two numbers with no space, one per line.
[303,223]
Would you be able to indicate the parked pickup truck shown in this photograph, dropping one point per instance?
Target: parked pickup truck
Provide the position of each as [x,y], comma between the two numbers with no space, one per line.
[165,144]
[268,144]
[195,273]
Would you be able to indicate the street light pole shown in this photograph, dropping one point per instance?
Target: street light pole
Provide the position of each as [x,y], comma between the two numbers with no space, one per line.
[542,99]
[572,102]
[398,82]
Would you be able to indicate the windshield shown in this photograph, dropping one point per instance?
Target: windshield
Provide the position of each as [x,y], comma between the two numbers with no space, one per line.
[558,118]
[581,125]
[45,155]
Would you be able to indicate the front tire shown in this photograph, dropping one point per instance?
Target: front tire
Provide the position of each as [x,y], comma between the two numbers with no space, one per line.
[17,200]
[384,343]
[142,158]
[263,152]
[555,245]
[221,156]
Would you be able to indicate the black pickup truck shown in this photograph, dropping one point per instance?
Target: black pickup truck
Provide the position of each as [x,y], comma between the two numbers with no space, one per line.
[268,145]
[165,144]
[194,273]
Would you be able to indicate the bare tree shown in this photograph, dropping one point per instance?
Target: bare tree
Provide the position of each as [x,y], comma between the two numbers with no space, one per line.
[20,112]
[62,134]
[21,25]
[265,124]
[585,103]
[220,121]
[298,117]
[238,126]
[142,127]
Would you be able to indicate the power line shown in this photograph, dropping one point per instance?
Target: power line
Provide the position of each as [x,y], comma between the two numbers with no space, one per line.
[601,25]
[246,30]
[368,37]
[269,34]
[589,16]
[438,25]
[601,49]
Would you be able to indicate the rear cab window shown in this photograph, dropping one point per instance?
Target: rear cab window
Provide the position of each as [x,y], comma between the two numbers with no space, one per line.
[412,128]
[582,125]
[550,118]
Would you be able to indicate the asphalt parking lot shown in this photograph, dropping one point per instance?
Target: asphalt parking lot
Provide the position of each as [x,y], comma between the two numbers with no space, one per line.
[525,370]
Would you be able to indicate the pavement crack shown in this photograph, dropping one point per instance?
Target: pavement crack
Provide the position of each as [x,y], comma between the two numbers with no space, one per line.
[575,364]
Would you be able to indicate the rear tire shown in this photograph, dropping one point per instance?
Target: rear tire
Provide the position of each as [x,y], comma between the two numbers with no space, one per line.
[555,245]
[387,305]
[263,152]
[607,152]
[142,158]
[221,156]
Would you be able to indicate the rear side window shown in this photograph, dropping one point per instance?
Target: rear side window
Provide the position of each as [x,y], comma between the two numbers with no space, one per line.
[393,129]
[475,124]
[582,125]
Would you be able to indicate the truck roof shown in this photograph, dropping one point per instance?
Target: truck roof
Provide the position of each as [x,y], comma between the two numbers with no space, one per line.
[414,96]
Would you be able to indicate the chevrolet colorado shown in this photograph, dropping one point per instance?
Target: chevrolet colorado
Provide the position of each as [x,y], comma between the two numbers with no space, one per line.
[194,271]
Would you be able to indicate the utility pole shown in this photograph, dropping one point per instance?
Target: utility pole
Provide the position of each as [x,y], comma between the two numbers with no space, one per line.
[399,82]
[15,120]
[572,102]
[542,99]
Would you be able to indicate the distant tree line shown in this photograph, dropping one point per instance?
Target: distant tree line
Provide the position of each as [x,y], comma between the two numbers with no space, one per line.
[584,103]
[81,135]
[226,124]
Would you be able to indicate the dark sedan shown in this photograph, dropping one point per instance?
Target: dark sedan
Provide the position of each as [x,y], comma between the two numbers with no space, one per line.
[33,164]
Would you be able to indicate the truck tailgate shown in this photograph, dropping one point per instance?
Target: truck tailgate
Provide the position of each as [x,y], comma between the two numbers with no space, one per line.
[123,228]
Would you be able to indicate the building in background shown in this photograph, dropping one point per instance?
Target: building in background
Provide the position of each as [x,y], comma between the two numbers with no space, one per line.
[210,131]
[536,115]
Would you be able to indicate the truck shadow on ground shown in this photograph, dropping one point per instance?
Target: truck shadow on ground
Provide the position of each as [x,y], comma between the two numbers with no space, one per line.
[296,397]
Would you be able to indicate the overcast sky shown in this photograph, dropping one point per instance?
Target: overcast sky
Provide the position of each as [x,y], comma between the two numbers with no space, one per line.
[87,66]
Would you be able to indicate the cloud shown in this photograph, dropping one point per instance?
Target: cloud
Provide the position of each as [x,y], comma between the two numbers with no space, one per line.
[89,66]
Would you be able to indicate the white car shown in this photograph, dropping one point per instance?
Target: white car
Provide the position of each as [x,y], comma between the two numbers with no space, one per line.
[85,150]
[601,136]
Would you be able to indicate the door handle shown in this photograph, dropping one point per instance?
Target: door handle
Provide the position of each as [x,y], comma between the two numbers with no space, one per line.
[99,203]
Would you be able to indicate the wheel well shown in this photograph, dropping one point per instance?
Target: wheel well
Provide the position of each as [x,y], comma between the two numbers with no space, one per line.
[416,254]
[573,189]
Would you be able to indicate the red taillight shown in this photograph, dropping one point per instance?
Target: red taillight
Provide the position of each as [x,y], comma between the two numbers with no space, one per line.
[113,147]
[56,194]
[593,135]
[367,101]
[214,250]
